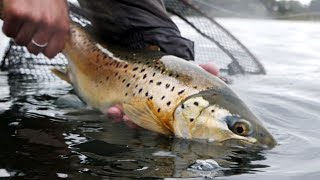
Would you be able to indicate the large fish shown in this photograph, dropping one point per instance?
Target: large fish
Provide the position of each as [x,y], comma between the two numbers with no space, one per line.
[159,92]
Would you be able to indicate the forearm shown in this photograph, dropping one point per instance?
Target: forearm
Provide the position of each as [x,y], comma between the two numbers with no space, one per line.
[138,24]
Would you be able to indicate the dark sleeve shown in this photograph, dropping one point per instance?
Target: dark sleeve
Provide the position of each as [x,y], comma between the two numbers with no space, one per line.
[138,24]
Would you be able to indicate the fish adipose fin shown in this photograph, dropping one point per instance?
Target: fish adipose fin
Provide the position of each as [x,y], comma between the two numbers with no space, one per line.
[142,115]
[62,74]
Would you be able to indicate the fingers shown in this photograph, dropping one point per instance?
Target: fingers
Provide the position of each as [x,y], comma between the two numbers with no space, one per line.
[11,26]
[115,113]
[25,34]
[40,25]
[211,68]
[56,42]
[129,123]
[39,42]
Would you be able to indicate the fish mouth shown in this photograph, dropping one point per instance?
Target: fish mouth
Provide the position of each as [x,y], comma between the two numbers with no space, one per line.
[266,143]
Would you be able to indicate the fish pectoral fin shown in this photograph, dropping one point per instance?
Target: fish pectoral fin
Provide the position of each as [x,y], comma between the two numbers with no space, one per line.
[62,74]
[142,115]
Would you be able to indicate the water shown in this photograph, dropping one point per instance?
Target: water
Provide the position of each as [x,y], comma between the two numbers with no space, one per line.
[43,140]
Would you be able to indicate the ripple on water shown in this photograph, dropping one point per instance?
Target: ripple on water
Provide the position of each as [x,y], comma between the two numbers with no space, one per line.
[69,142]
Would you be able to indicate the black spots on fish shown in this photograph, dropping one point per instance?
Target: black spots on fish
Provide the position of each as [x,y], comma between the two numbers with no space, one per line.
[136,86]
[142,70]
[163,97]
[126,94]
[151,81]
[212,110]
[168,103]
[170,75]
[125,66]
[167,86]
[119,77]
[181,92]
[147,63]
[134,69]
[134,94]
[140,90]
[172,89]
[100,82]
[124,80]
[116,74]
[154,74]
[159,83]
[151,97]
[177,76]
[159,110]
[163,71]
[144,76]
[182,106]
[191,119]
[147,94]
[128,85]
[134,76]
[196,103]
[107,78]
[195,87]
[126,71]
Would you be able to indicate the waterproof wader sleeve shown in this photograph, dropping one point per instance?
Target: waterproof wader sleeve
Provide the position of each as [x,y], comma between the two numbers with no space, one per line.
[138,24]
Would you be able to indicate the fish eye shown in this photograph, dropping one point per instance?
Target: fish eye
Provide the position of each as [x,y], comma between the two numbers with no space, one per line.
[242,128]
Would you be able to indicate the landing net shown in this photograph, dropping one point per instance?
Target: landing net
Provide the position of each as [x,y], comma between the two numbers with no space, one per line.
[213,43]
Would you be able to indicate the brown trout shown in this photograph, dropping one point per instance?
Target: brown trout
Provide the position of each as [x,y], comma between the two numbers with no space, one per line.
[159,92]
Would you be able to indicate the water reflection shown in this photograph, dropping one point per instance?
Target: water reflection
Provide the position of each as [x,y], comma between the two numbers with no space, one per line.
[84,144]
[43,140]
[169,158]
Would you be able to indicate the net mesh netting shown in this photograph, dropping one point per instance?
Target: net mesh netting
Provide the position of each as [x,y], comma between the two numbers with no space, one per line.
[213,43]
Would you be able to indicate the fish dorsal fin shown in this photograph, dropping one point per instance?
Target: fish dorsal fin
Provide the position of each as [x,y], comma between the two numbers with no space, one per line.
[62,74]
[140,113]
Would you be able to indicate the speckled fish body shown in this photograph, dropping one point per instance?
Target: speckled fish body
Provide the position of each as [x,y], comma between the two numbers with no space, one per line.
[160,92]
[151,79]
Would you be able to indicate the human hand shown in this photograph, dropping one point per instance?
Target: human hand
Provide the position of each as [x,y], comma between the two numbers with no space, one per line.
[40,25]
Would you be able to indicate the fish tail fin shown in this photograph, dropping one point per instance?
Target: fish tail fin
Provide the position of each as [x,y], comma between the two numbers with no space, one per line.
[62,74]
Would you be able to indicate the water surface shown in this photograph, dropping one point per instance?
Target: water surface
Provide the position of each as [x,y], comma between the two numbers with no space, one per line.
[41,140]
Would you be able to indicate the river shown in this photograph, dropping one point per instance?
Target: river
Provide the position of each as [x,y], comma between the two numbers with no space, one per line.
[43,140]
